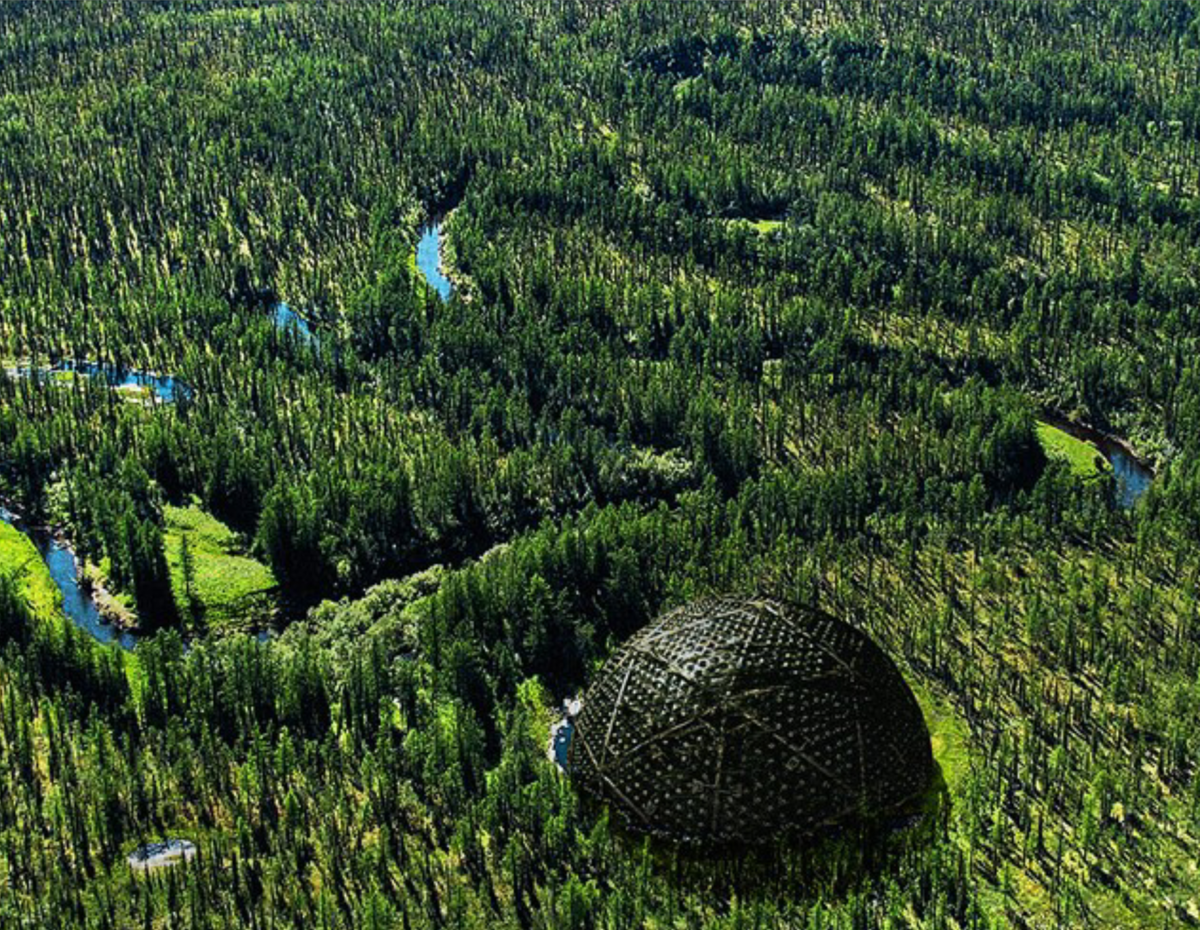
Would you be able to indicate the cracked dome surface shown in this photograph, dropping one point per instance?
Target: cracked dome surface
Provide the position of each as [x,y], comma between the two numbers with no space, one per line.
[739,719]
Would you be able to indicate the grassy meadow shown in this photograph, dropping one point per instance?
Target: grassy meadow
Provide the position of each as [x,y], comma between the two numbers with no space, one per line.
[229,589]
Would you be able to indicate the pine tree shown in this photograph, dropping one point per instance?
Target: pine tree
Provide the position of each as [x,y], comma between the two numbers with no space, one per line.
[187,567]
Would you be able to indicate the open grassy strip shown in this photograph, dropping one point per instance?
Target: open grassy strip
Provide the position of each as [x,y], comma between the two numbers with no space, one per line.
[1085,459]
[227,590]
[762,227]
[949,736]
[20,561]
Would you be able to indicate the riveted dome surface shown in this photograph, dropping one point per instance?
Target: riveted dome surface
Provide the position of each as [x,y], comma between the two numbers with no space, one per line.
[739,719]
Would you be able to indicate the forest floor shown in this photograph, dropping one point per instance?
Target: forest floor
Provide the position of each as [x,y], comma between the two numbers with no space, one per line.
[1147,819]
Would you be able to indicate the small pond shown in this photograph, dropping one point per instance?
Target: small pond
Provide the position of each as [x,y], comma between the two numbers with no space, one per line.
[64,569]
[288,320]
[429,259]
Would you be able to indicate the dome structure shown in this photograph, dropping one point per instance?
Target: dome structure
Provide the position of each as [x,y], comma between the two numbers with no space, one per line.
[737,720]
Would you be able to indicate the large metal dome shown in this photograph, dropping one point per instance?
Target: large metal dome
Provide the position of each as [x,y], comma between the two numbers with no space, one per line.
[740,719]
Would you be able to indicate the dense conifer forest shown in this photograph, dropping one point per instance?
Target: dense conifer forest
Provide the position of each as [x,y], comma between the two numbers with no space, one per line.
[777,296]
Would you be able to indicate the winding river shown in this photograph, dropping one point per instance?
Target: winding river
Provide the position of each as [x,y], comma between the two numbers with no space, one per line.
[166,388]
[78,604]
[64,569]
[429,263]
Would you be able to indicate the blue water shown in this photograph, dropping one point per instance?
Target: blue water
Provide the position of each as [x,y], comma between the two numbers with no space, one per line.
[1133,478]
[561,743]
[561,733]
[64,569]
[429,259]
[166,388]
[77,603]
[288,320]
[155,855]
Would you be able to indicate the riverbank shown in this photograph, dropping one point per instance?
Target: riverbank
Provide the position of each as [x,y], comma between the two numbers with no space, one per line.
[1085,459]
[80,597]
[91,580]
[1134,474]
[1095,436]
[112,608]
[23,565]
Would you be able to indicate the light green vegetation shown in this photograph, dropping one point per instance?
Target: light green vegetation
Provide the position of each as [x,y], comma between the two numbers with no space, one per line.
[949,736]
[1084,458]
[223,17]
[763,227]
[20,561]
[135,392]
[229,589]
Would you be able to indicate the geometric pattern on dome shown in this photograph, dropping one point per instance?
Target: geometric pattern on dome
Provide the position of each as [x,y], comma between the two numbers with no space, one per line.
[735,720]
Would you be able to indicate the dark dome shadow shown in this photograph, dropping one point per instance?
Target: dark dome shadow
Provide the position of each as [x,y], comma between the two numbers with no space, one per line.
[831,860]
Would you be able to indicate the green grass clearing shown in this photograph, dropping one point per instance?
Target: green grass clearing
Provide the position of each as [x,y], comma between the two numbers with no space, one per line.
[762,227]
[231,590]
[1084,458]
[20,560]
[949,736]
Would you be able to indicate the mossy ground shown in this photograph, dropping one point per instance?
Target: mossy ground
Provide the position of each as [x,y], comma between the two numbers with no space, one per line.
[763,227]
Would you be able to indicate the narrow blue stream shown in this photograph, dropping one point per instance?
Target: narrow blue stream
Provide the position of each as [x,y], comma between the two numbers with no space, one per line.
[64,569]
[166,388]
